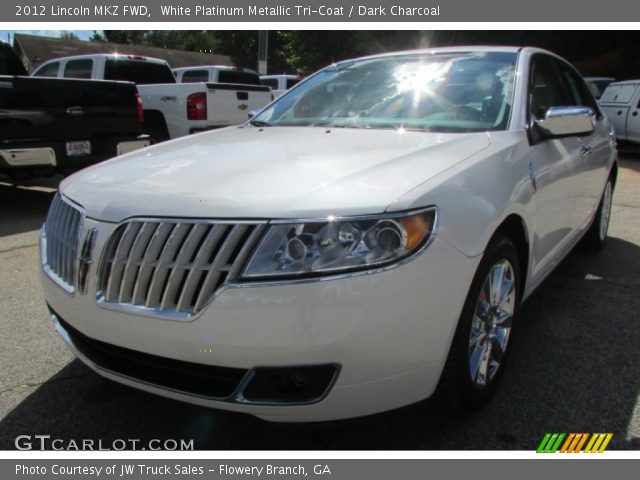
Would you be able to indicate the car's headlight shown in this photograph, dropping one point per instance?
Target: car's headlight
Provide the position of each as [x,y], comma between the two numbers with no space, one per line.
[340,244]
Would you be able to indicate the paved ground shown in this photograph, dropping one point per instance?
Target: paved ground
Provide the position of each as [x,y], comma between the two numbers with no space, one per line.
[575,366]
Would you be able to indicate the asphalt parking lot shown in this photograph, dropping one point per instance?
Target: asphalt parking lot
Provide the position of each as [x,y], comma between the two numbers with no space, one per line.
[575,365]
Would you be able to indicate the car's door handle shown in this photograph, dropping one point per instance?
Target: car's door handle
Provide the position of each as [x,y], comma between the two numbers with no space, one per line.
[634,114]
[585,150]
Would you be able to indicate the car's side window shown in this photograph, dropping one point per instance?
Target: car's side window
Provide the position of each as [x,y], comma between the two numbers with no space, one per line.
[580,94]
[78,68]
[270,82]
[195,76]
[49,70]
[545,88]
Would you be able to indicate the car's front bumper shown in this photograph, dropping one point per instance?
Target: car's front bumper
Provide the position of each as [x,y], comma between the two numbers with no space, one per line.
[388,333]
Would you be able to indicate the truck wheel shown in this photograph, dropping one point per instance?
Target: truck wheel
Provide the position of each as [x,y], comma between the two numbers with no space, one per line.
[480,347]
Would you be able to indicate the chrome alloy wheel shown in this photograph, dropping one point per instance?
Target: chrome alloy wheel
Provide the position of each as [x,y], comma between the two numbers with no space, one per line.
[605,211]
[491,324]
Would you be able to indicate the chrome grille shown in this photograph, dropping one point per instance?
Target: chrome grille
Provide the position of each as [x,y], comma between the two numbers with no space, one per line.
[170,268]
[61,232]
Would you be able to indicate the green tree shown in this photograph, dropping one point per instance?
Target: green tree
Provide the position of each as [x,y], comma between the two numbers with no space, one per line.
[192,40]
[126,37]
[97,36]
[240,45]
[68,35]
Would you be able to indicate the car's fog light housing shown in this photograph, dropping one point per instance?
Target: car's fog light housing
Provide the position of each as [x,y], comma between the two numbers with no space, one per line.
[282,385]
[323,247]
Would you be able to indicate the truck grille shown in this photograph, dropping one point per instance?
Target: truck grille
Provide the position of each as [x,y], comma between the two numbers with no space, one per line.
[61,231]
[170,268]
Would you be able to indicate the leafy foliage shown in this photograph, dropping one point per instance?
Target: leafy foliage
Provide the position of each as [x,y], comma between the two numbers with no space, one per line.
[68,35]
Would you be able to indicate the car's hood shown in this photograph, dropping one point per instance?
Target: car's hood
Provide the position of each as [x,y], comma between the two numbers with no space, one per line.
[275,172]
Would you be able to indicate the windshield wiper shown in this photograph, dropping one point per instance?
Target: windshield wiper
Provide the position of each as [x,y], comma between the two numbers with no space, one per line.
[259,123]
[344,125]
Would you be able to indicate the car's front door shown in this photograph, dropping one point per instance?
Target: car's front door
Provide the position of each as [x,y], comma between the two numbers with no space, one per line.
[595,149]
[552,166]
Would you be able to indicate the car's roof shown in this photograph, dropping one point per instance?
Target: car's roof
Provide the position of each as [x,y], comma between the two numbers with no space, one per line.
[457,49]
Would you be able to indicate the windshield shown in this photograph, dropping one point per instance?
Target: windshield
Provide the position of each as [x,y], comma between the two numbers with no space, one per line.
[444,92]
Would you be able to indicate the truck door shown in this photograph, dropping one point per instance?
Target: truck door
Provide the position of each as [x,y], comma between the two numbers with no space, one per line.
[616,103]
[633,118]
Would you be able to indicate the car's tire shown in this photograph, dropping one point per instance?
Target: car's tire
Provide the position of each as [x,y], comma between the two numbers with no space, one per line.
[595,237]
[480,347]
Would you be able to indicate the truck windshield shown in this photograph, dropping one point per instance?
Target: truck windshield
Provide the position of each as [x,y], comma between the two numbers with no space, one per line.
[139,72]
[443,92]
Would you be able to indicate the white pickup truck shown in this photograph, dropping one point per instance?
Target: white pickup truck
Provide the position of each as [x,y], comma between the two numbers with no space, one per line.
[280,83]
[621,103]
[216,74]
[171,110]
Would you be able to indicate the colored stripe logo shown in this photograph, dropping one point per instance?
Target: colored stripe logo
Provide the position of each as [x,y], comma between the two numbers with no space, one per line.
[574,442]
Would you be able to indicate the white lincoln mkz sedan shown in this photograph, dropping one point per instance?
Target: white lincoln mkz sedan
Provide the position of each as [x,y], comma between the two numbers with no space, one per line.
[364,242]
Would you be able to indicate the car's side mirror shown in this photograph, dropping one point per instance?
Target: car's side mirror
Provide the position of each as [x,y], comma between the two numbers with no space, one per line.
[253,113]
[561,122]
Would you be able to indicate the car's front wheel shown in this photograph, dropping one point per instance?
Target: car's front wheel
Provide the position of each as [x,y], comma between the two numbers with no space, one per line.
[483,337]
